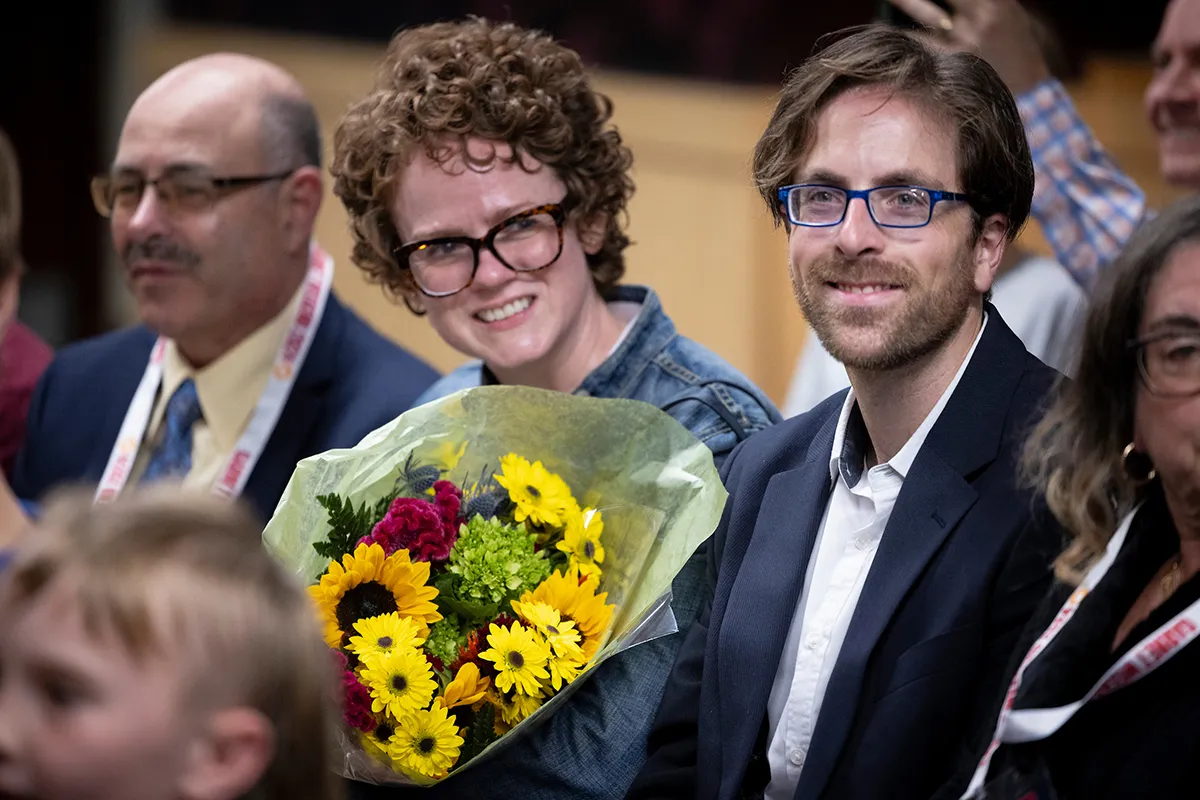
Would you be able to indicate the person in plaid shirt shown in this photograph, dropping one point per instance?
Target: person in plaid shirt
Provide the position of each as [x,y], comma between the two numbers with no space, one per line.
[1087,207]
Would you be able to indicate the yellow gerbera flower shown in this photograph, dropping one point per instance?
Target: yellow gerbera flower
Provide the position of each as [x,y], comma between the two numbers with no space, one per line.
[581,541]
[467,688]
[367,584]
[545,619]
[426,742]
[375,743]
[540,496]
[512,707]
[400,681]
[564,670]
[380,635]
[520,657]
[576,599]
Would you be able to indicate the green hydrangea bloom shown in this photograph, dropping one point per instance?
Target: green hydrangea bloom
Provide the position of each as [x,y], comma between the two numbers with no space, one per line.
[496,562]
[446,636]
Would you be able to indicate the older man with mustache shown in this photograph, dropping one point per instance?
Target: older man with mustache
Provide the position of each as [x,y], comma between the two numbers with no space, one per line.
[244,361]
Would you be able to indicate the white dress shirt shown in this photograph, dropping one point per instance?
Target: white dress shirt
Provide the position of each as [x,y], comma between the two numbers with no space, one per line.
[857,514]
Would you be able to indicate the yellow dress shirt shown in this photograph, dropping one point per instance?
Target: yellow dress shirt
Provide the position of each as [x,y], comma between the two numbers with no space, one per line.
[228,388]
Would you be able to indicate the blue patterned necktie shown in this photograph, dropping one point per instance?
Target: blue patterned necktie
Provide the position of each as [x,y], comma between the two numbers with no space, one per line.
[173,456]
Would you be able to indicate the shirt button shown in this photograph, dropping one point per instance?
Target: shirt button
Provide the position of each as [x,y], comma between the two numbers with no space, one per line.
[797,756]
[813,643]
[861,543]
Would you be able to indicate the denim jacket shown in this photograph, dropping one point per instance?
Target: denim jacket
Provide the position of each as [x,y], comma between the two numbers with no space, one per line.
[594,745]
[655,364]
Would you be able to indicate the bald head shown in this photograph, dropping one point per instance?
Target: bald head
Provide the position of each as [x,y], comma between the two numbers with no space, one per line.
[244,96]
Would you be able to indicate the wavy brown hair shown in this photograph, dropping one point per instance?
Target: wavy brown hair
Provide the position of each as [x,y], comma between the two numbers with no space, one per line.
[994,165]
[500,82]
[1073,456]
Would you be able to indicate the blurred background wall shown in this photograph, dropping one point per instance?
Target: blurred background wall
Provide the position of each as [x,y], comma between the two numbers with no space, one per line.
[692,81]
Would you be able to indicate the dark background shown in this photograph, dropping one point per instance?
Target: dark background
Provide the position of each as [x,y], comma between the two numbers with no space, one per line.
[51,96]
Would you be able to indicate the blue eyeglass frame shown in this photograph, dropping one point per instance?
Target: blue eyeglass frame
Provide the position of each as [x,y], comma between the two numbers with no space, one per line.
[935,196]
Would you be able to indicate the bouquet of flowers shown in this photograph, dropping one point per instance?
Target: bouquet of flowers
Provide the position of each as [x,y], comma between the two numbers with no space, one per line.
[473,560]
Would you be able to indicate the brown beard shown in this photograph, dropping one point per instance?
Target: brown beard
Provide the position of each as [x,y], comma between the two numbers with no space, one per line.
[924,322]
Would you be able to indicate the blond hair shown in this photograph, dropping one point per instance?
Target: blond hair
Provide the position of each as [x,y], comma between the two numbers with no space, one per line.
[165,572]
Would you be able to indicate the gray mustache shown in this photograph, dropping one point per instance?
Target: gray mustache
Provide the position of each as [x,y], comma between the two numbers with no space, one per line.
[158,248]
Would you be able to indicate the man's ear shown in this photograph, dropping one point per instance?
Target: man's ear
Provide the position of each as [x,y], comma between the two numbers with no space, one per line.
[299,204]
[230,756]
[989,251]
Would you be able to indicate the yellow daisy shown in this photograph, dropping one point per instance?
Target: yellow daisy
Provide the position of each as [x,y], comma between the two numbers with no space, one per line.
[564,670]
[466,689]
[575,598]
[512,707]
[520,657]
[368,584]
[400,682]
[375,743]
[581,541]
[426,742]
[380,635]
[545,619]
[540,496]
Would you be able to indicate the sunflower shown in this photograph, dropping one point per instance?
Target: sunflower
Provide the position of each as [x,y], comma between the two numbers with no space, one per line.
[575,599]
[380,635]
[581,541]
[466,689]
[512,707]
[540,496]
[400,681]
[545,619]
[368,584]
[426,742]
[520,656]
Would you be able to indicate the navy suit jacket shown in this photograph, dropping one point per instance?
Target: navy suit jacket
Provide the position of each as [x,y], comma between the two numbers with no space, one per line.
[963,563]
[352,381]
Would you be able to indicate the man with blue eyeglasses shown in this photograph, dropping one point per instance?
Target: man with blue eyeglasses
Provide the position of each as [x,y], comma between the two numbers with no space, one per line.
[877,557]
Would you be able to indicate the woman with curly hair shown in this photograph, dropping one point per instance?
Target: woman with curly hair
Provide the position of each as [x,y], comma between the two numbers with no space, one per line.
[487,188]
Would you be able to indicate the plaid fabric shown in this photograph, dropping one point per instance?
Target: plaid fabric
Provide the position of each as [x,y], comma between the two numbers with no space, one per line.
[1087,207]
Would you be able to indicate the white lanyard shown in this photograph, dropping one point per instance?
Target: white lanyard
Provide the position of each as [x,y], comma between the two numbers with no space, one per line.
[288,360]
[1032,724]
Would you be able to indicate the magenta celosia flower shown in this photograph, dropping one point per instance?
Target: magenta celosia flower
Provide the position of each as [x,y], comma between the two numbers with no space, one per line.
[426,530]
[356,703]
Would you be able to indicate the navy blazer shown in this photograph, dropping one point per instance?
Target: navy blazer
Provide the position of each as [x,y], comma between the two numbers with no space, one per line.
[963,563]
[352,381]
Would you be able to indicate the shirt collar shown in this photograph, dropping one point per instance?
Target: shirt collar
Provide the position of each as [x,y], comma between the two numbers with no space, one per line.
[851,440]
[229,388]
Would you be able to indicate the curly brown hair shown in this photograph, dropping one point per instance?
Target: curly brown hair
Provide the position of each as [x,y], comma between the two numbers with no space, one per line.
[495,81]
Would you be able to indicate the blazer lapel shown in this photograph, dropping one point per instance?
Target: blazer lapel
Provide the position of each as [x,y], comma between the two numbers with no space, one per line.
[763,600]
[926,511]
[114,416]
[935,496]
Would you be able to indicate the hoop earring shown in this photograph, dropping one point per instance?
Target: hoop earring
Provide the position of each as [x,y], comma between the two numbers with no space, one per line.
[1137,465]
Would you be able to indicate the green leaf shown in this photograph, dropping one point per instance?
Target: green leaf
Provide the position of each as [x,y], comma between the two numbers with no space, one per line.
[347,524]
[478,735]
